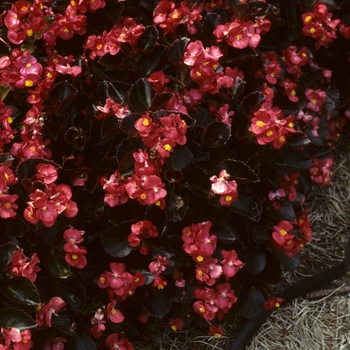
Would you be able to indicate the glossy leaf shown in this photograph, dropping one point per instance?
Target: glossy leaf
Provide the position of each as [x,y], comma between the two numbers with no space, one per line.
[151,60]
[140,96]
[181,157]
[177,201]
[72,292]
[21,290]
[57,266]
[177,49]
[256,259]
[217,134]
[114,240]
[118,90]
[286,212]
[224,233]
[293,160]
[252,102]
[6,252]
[239,171]
[158,303]
[78,342]
[198,182]
[148,39]
[16,319]
[245,204]
[289,263]
[63,322]
[160,246]
[251,304]
[210,22]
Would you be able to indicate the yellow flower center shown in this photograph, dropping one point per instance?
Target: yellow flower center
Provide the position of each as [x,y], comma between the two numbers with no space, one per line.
[29,32]
[174,328]
[8,205]
[312,30]
[167,147]
[145,122]
[29,83]
[260,124]
[143,196]
[269,133]
[308,19]
[74,256]
[200,258]
[99,46]
[313,101]
[228,198]
[283,232]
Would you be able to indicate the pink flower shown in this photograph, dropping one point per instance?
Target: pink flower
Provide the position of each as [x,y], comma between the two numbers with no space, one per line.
[113,314]
[46,172]
[75,256]
[51,308]
[7,206]
[230,264]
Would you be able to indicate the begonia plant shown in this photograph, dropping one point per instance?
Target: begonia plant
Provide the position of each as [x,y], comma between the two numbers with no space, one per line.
[155,160]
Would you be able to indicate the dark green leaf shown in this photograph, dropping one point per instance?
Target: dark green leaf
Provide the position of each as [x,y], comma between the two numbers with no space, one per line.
[21,290]
[252,102]
[177,201]
[198,182]
[118,90]
[114,240]
[224,233]
[331,4]
[13,318]
[112,61]
[128,123]
[149,61]
[245,204]
[159,246]
[252,303]
[256,259]
[64,93]
[76,137]
[289,263]
[140,96]
[57,266]
[15,229]
[6,159]
[293,21]
[6,252]
[217,134]
[158,303]
[293,160]
[181,157]
[72,292]
[160,101]
[210,22]
[81,342]
[238,56]
[286,211]
[298,140]
[148,39]
[239,171]
[176,50]
[63,322]
[113,10]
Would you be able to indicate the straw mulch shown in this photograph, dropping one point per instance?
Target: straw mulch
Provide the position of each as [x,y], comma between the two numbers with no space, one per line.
[321,321]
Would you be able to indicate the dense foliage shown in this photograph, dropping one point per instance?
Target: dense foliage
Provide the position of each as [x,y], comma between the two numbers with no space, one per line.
[155,158]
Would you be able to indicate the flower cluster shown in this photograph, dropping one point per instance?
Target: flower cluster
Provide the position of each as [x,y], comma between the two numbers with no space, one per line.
[140,232]
[121,282]
[16,339]
[292,236]
[240,34]
[214,302]
[321,171]
[20,265]
[75,256]
[162,136]
[45,312]
[268,127]
[46,205]
[226,189]
[200,244]
[319,25]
